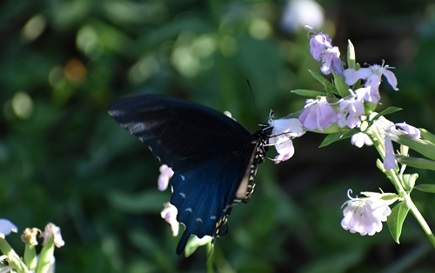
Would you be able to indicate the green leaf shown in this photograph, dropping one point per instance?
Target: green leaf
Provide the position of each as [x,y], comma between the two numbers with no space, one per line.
[427,135]
[308,93]
[421,146]
[331,138]
[426,188]
[387,111]
[416,162]
[396,219]
[323,81]
[342,88]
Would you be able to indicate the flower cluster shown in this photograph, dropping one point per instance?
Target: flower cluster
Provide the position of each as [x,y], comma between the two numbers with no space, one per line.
[346,108]
[31,262]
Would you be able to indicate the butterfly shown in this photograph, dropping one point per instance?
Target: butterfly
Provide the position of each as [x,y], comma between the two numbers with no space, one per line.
[213,157]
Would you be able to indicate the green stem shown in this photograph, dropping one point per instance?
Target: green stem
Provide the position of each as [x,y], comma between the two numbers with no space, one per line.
[398,184]
[12,257]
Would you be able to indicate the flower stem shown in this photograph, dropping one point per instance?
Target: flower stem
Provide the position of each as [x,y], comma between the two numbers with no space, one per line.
[376,138]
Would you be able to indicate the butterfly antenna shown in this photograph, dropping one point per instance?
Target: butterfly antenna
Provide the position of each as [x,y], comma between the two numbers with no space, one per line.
[252,95]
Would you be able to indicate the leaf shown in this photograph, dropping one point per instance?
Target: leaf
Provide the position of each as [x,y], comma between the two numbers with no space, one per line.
[308,93]
[325,82]
[425,188]
[387,111]
[331,138]
[416,162]
[396,219]
[342,88]
[351,59]
[421,146]
[427,135]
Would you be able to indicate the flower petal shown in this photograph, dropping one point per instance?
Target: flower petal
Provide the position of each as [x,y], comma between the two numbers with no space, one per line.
[391,78]
[389,160]
[6,227]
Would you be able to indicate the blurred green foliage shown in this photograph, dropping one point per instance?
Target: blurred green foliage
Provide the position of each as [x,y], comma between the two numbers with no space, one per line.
[62,159]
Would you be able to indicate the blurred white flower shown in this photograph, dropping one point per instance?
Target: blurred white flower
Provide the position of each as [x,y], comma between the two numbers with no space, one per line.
[299,13]
[169,213]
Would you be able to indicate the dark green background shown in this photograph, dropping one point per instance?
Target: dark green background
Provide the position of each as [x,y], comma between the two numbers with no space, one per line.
[64,160]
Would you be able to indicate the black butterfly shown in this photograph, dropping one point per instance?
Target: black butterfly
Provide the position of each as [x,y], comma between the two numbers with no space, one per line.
[213,157]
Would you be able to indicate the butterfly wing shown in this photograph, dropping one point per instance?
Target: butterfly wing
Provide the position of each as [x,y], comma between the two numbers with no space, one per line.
[208,152]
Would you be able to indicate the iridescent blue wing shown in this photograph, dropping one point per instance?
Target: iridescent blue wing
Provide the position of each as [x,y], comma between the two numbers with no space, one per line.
[211,156]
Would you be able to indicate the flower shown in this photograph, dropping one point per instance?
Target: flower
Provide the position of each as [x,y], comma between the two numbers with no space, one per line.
[169,213]
[391,134]
[390,161]
[365,215]
[165,174]
[30,235]
[283,131]
[360,139]
[322,50]
[6,227]
[350,111]
[318,114]
[299,13]
[53,231]
[372,75]
[408,130]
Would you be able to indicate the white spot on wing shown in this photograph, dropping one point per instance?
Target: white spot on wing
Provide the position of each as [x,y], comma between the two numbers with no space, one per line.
[136,127]
[199,220]
[182,177]
[189,210]
[182,194]
[213,217]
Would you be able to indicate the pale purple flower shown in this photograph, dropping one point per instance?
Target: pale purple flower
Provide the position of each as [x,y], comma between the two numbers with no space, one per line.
[360,139]
[409,130]
[367,94]
[284,130]
[169,213]
[51,230]
[372,75]
[165,174]
[318,114]
[365,215]
[390,161]
[6,227]
[322,50]
[350,111]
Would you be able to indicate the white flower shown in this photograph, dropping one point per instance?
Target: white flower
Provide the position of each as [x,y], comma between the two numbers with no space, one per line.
[6,227]
[165,174]
[169,213]
[360,139]
[283,131]
[51,230]
[365,215]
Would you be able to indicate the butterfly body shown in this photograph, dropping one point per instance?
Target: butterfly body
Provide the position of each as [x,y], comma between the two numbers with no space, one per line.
[213,157]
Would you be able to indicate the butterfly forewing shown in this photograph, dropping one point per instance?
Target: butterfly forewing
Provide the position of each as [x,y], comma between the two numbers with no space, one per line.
[178,132]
